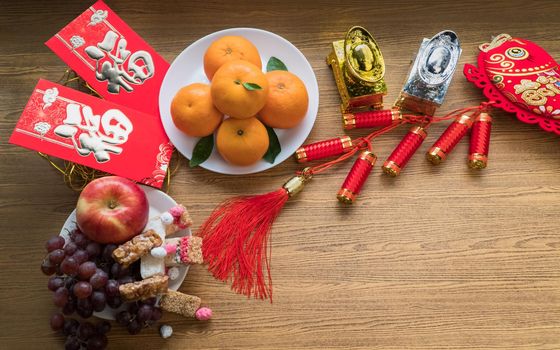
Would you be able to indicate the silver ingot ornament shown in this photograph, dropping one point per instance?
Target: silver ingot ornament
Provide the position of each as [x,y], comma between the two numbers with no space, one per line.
[431,73]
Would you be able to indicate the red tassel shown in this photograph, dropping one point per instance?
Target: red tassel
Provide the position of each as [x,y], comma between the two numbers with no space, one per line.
[236,239]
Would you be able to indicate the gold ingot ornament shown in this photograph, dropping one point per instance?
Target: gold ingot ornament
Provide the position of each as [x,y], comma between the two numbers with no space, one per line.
[358,70]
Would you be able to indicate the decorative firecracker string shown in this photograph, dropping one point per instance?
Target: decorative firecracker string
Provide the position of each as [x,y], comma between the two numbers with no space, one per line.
[334,146]
[236,234]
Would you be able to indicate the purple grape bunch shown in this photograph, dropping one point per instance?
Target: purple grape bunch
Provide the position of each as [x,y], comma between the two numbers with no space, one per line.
[85,279]
[81,335]
[139,315]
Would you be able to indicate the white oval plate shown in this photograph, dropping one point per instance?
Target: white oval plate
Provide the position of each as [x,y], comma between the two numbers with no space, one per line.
[159,202]
[188,68]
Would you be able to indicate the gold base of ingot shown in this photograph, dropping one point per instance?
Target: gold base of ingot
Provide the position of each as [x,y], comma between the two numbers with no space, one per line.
[345,196]
[435,155]
[478,161]
[356,96]
[415,104]
[301,156]
[391,168]
[362,103]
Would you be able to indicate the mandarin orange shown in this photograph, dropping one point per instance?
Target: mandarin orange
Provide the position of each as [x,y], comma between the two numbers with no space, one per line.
[242,141]
[239,89]
[193,112]
[287,100]
[229,48]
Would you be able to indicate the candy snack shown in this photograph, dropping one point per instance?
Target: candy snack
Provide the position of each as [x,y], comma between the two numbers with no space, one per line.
[147,288]
[183,251]
[176,219]
[185,305]
[140,245]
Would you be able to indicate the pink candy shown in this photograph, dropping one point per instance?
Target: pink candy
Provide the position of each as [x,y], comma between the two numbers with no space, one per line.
[170,248]
[203,314]
[177,211]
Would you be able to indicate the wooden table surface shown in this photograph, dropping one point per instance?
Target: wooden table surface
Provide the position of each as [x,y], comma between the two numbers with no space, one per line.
[441,257]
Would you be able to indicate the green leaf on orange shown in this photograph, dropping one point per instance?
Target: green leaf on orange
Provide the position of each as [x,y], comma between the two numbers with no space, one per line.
[274,148]
[202,150]
[275,64]
[252,86]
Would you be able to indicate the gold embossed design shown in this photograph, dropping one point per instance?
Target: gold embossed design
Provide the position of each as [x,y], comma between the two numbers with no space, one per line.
[534,93]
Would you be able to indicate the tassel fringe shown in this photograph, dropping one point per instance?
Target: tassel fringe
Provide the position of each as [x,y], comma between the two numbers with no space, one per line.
[236,242]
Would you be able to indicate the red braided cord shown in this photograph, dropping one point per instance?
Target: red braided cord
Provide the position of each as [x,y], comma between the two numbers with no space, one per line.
[357,176]
[480,137]
[451,136]
[406,149]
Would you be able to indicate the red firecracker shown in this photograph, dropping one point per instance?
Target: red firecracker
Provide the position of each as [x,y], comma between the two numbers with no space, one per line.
[404,151]
[480,141]
[357,177]
[371,119]
[324,149]
[449,139]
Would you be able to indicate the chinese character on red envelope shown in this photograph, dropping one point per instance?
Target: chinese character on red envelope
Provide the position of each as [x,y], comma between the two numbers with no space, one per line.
[112,58]
[84,129]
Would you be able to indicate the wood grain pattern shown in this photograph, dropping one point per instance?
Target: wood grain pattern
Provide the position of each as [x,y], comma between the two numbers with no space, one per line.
[441,257]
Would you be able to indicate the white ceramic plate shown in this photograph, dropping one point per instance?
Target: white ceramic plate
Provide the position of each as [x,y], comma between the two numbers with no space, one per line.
[188,68]
[159,202]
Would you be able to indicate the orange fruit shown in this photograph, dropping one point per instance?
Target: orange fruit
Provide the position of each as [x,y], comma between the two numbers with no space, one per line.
[242,141]
[232,92]
[287,100]
[229,48]
[193,112]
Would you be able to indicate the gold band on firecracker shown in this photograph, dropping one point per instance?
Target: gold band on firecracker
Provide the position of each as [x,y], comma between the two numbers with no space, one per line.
[348,121]
[478,161]
[347,196]
[346,143]
[77,176]
[358,69]
[484,117]
[465,119]
[391,168]
[418,130]
[301,156]
[436,155]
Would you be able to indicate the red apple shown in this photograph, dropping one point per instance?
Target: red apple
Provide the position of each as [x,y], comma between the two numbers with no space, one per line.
[112,209]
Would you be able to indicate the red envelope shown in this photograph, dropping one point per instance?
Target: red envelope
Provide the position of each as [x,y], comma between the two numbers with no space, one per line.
[112,58]
[84,129]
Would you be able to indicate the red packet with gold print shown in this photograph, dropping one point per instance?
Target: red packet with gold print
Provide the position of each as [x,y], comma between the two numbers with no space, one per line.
[84,129]
[112,58]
